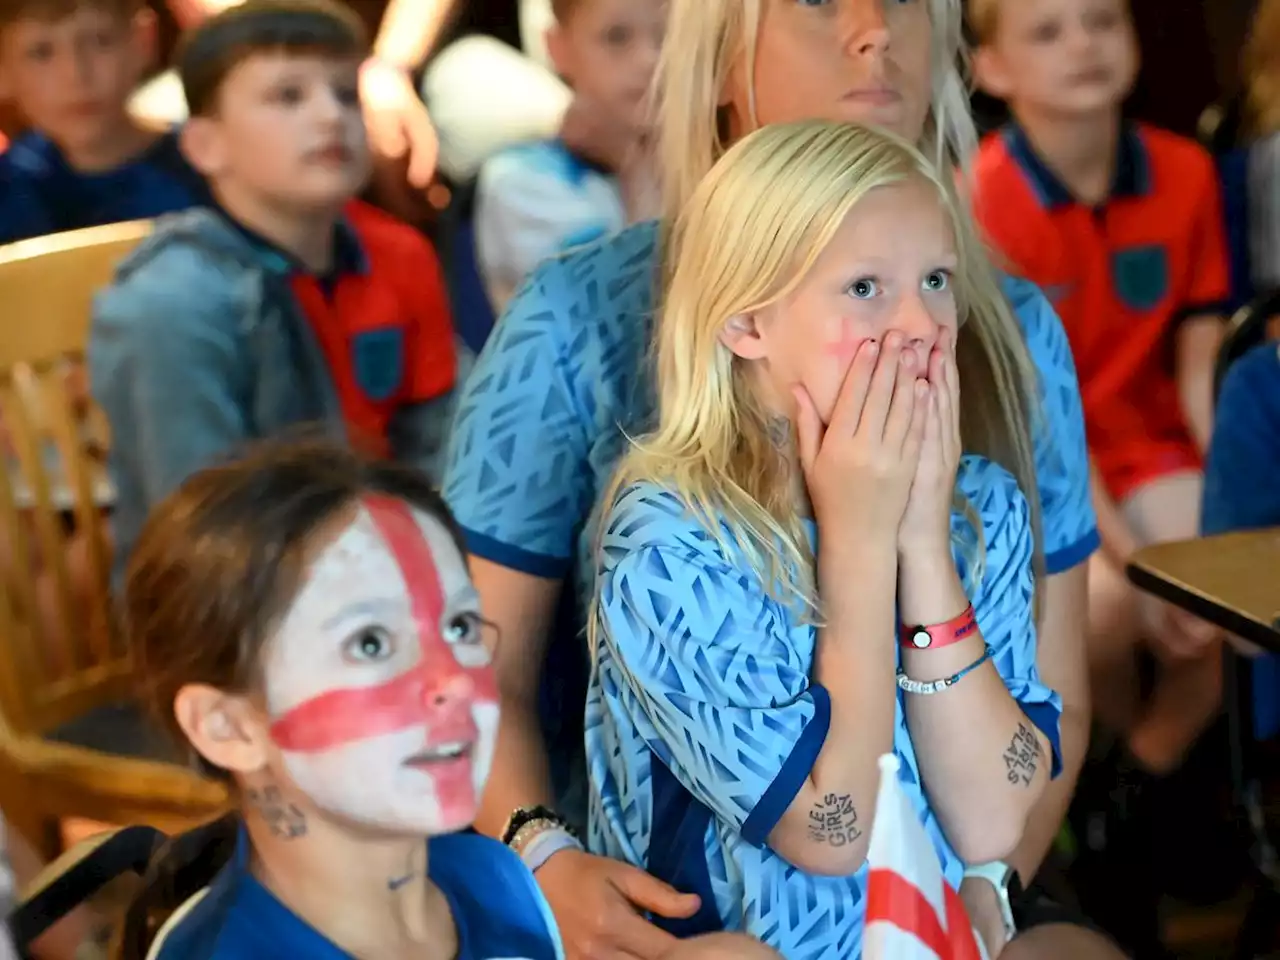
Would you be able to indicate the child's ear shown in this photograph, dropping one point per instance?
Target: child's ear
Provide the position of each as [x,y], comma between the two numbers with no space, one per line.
[226,729]
[559,52]
[742,336]
[990,73]
[202,144]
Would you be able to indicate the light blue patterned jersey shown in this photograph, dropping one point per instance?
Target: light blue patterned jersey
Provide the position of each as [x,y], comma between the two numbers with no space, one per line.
[540,423]
[565,373]
[703,723]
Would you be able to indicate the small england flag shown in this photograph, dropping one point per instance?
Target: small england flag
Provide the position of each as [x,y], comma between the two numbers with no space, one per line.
[912,913]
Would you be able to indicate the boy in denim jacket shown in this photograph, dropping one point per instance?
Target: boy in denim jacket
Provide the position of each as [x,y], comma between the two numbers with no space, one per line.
[287,302]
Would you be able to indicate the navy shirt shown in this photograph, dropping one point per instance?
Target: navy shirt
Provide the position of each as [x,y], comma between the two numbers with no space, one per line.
[40,193]
[497,909]
[1242,484]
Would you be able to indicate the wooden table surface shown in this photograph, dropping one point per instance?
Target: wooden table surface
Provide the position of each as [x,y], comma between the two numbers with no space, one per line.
[1232,580]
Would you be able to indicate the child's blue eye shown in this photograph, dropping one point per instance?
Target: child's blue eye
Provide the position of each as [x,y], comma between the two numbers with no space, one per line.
[937,281]
[863,289]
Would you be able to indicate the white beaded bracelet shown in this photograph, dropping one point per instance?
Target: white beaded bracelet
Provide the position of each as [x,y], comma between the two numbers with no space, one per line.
[908,685]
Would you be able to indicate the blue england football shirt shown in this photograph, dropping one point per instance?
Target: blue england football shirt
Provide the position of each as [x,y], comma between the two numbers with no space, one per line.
[40,193]
[498,911]
[703,723]
[541,425]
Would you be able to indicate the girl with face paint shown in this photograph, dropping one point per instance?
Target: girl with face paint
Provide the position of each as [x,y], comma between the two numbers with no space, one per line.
[304,620]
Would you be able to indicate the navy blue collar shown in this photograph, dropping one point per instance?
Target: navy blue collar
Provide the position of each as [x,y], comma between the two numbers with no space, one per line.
[1132,176]
[348,253]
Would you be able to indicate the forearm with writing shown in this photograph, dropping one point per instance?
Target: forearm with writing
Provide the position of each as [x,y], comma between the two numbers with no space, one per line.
[984,763]
[1046,817]
[1062,663]
[827,828]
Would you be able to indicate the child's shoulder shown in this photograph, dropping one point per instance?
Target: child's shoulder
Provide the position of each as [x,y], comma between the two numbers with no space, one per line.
[993,157]
[647,513]
[991,488]
[547,159]
[498,908]
[1254,379]
[29,156]
[186,268]
[391,244]
[1005,198]
[1175,158]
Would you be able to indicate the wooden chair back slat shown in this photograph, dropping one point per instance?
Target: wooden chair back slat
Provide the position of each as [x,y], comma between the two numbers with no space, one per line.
[64,655]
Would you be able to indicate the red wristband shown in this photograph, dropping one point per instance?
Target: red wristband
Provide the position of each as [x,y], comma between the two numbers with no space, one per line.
[942,634]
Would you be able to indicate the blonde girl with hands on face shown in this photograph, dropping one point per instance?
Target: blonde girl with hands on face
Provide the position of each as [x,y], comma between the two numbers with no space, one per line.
[799,569]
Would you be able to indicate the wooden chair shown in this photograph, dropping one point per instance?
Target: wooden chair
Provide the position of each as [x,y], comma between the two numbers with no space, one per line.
[65,682]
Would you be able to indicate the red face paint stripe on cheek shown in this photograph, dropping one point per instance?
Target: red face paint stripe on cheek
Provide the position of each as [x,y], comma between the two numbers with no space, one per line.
[342,716]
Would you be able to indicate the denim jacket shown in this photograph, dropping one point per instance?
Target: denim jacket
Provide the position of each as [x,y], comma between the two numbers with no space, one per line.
[198,347]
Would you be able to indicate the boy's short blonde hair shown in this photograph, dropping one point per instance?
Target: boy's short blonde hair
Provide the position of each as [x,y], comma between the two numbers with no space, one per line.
[49,11]
[984,20]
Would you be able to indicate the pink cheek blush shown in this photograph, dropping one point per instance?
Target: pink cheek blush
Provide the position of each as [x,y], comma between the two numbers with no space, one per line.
[846,348]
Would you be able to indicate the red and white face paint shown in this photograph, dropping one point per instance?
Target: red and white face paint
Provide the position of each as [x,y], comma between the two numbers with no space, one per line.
[382,699]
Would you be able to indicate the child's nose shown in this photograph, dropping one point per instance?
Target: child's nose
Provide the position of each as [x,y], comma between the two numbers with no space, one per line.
[452,686]
[917,326]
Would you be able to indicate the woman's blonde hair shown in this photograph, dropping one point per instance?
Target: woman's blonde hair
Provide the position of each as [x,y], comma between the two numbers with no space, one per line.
[705,39]
[1262,71]
[747,237]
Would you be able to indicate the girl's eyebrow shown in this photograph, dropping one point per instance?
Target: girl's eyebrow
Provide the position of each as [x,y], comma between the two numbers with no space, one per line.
[464,596]
[370,608]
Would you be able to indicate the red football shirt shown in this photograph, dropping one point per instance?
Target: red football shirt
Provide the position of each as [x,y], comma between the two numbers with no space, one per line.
[382,319]
[1121,276]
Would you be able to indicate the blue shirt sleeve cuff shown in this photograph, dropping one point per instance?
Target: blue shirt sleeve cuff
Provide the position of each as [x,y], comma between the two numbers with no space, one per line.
[1045,717]
[795,770]
[1074,554]
[505,555]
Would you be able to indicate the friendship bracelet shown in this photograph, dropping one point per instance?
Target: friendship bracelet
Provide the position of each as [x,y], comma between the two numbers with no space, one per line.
[546,845]
[907,685]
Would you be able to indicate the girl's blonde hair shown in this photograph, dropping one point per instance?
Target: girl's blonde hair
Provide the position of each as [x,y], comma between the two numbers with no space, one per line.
[705,39]
[1262,71]
[747,237]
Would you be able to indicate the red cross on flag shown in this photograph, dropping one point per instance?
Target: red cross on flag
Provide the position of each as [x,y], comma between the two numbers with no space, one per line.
[912,912]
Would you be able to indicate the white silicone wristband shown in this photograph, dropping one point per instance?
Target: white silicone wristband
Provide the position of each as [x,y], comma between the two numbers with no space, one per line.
[546,845]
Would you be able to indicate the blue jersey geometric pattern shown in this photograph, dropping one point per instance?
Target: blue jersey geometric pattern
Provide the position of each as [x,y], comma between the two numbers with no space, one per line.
[541,420]
[566,376]
[703,723]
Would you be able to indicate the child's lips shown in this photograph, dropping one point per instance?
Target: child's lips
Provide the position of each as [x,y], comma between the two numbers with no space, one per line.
[332,156]
[1096,75]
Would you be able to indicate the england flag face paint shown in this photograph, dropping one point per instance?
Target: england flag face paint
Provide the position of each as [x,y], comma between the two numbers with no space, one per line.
[382,698]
